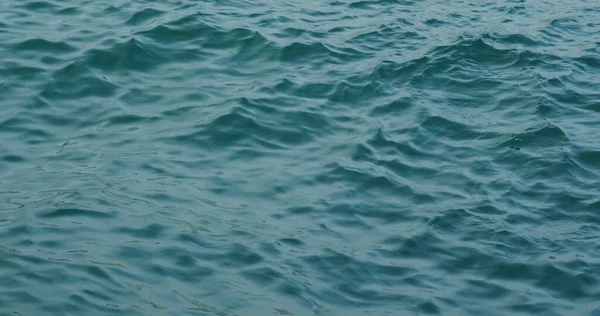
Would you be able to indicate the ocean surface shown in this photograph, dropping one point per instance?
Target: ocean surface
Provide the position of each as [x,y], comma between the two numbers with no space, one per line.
[300,157]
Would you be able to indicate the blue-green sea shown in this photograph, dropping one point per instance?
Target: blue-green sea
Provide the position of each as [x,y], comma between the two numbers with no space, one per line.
[300,157]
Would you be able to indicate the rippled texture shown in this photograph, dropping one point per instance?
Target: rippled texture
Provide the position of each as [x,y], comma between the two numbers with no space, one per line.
[388,157]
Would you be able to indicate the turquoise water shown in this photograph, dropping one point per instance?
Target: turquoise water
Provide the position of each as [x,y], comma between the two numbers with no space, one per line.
[343,157]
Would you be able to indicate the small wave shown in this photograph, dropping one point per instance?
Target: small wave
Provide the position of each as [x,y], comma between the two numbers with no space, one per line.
[74,81]
[144,16]
[43,45]
[132,55]
[297,52]
[74,213]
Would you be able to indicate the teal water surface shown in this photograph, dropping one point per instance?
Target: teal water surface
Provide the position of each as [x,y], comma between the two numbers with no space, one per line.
[376,157]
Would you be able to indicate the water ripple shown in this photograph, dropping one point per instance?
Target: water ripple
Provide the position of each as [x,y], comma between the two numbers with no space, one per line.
[300,158]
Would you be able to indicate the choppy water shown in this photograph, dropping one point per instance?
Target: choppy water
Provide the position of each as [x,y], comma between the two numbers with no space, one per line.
[344,157]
